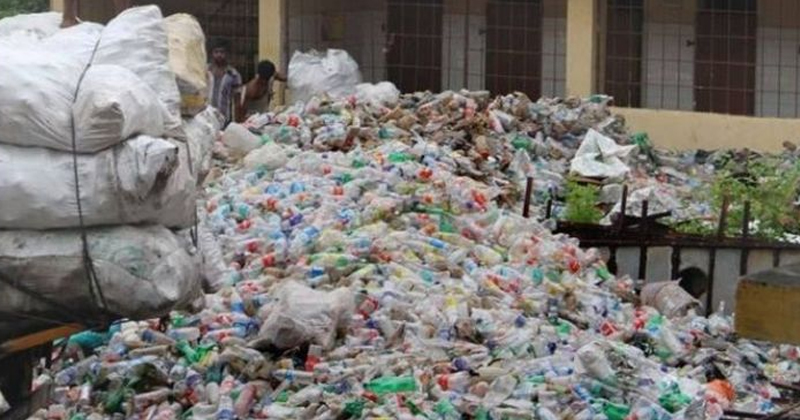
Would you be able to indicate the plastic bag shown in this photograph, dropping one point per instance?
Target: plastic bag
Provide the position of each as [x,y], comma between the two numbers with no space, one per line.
[187,59]
[600,157]
[142,180]
[378,94]
[269,156]
[334,73]
[143,273]
[303,315]
[239,139]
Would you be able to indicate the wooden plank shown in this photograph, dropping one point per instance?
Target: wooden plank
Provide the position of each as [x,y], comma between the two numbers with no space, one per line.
[40,338]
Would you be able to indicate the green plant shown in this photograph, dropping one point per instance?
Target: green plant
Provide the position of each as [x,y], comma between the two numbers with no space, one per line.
[15,7]
[581,203]
[771,188]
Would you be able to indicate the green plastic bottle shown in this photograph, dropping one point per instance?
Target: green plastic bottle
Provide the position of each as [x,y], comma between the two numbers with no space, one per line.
[392,385]
[399,157]
[673,400]
[521,143]
[353,409]
[616,411]
[194,355]
[446,410]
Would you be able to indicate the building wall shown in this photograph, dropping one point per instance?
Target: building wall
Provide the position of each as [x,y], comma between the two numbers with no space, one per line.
[668,65]
[463,38]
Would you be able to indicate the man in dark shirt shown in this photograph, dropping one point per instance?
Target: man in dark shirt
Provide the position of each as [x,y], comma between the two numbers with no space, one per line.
[224,81]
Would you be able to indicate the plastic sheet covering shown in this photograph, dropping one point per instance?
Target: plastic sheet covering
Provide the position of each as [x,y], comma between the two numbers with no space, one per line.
[143,272]
[144,180]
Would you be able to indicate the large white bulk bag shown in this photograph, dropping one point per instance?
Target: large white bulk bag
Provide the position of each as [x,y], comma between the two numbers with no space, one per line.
[334,73]
[201,132]
[38,80]
[114,103]
[143,180]
[188,60]
[136,39]
[37,25]
[143,272]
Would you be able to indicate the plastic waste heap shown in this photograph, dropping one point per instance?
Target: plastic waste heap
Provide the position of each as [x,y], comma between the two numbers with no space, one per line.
[381,269]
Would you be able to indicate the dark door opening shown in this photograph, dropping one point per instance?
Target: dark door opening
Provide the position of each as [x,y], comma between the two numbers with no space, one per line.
[725,56]
[623,72]
[414,58]
[514,47]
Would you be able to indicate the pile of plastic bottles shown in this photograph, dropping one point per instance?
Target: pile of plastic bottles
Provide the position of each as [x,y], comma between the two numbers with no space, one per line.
[393,277]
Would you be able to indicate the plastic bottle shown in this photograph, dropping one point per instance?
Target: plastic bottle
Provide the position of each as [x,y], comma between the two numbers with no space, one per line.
[245,401]
[225,409]
[156,337]
[190,334]
[390,385]
[75,373]
[458,382]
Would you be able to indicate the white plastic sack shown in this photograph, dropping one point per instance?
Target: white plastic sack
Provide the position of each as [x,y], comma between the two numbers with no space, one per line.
[187,59]
[143,273]
[303,315]
[213,265]
[240,140]
[114,103]
[201,133]
[144,180]
[269,156]
[36,25]
[38,85]
[378,94]
[41,76]
[600,157]
[334,73]
[136,39]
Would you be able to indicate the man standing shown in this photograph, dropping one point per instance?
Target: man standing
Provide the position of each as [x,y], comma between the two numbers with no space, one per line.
[70,15]
[257,94]
[224,80]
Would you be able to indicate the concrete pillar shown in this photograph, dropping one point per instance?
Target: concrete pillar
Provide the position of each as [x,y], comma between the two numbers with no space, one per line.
[57,5]
[271,15]
[581,23]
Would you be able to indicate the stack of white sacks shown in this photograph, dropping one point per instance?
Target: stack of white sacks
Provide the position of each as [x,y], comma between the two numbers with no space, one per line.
[139,145]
